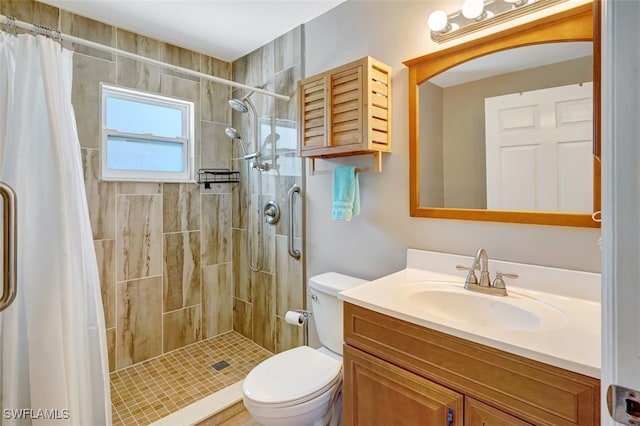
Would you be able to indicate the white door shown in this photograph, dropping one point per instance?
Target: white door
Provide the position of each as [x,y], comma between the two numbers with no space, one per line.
[539,150]
[621,197]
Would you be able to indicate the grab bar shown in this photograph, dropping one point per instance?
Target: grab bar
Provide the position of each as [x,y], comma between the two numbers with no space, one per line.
[9,283]
[295,189]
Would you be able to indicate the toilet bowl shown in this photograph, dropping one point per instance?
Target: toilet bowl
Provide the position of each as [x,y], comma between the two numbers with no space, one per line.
[295,387]
[302,386]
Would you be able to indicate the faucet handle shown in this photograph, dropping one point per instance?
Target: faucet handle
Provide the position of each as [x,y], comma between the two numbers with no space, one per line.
[498,282]
[471,276]
[466,268]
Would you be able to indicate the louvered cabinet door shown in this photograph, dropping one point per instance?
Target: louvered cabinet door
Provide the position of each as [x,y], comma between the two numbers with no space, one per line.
[313,111]
[379,393]
[346,98]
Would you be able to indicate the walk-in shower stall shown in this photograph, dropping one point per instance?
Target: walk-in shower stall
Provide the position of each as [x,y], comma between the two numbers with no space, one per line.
[192,283]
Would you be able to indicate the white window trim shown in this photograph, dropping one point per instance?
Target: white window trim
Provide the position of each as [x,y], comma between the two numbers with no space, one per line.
[188,117]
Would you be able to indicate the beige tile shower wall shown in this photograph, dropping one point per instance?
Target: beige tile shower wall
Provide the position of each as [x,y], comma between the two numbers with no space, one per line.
[261,299]
[164,250]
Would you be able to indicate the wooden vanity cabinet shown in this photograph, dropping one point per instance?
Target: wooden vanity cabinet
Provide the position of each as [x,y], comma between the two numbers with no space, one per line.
[346,110]
[380,393]
[396,372]
[478,414]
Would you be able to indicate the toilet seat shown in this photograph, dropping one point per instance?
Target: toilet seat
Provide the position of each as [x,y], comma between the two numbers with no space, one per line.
[292,378]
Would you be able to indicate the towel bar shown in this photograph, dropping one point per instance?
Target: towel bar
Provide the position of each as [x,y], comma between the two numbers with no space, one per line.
[377,165]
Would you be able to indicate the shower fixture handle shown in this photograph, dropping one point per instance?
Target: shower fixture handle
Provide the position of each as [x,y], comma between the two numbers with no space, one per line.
[271,212]
[9,248]
[295,189]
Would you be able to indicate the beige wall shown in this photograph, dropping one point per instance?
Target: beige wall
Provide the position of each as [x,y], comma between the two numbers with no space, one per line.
[463,109]
[375,243]
[261,299]
[164,251]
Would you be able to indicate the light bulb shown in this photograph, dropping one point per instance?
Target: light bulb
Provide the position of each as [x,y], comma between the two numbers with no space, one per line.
[438,21]
[517,3]
[472,9]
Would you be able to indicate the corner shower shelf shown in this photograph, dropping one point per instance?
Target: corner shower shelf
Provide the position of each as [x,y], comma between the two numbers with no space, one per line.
[209,176]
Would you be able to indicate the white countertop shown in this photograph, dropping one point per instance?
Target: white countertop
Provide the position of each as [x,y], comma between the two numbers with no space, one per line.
[572,343]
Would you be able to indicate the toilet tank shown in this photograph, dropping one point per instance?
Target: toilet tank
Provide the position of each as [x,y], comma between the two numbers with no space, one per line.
[327,308]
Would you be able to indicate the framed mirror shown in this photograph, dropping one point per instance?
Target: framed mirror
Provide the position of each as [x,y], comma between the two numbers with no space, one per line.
[506,128]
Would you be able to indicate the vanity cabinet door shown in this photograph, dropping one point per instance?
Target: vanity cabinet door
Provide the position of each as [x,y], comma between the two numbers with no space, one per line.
[478,414]
[379,393]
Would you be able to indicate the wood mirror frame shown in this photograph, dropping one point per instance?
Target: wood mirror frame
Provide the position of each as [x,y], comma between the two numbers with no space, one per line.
[581,23]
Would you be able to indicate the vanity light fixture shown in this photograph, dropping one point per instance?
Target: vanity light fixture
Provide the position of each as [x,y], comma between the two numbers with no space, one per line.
[480,14]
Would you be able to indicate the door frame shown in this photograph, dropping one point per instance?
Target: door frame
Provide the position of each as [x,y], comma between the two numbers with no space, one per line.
[621,197]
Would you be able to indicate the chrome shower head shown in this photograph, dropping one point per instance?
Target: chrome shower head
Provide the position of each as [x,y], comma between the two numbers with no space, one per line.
[233,133]
[239,105]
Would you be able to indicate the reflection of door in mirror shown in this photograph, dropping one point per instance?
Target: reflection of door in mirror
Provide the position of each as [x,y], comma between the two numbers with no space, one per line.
[538,150]
[452,119]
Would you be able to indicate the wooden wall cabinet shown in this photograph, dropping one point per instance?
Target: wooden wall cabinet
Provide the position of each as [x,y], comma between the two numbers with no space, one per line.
[346,111]
[400,373]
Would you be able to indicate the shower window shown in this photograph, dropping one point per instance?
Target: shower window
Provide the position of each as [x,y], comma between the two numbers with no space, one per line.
[146,137]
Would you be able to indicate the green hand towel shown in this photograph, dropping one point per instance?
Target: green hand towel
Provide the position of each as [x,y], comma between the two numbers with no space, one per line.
[346,193]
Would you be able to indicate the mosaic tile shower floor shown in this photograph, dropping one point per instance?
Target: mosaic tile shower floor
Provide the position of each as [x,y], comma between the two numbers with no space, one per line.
[148,391]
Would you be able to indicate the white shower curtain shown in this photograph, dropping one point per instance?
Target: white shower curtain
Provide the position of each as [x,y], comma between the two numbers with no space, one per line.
[53,351]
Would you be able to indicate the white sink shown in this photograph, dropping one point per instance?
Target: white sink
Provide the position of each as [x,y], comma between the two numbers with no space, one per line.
[550,315]
[451,302]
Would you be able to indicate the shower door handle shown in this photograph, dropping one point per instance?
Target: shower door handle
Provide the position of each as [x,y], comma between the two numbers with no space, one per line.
[295,189]
[9,246]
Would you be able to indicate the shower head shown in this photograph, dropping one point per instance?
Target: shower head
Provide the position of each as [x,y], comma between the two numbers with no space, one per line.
[239,104]
[233,133]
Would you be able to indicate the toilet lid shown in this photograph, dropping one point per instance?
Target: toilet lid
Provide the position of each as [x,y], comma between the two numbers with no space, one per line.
[292,375]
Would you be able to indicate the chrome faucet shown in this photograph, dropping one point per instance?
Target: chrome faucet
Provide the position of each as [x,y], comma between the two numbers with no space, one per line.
[481,262]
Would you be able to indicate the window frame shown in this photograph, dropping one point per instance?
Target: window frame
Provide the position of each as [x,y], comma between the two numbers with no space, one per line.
[187,140]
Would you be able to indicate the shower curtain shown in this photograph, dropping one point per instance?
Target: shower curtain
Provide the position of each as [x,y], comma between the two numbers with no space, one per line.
[53,351]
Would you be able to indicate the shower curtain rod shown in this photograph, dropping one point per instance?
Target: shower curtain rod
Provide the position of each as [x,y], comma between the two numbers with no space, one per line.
[7,21]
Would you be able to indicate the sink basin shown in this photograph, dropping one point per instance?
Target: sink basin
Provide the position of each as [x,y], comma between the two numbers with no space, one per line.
[455,304]
[550,315]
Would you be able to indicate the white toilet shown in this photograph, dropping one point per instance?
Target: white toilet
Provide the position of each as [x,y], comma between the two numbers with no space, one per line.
[300,386]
